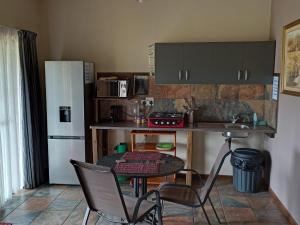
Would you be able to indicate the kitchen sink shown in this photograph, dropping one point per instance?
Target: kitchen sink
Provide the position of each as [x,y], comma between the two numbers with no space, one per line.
[236,126]
[238,132]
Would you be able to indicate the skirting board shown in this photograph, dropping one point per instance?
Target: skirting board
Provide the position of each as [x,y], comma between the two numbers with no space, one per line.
[282,208]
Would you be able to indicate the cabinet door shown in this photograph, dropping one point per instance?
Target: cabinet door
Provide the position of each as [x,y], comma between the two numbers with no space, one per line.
[198,63]
[259,62]
[228,63]
[169,63]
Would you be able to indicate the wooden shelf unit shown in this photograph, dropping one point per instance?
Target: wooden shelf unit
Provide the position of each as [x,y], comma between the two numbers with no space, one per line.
[150,146]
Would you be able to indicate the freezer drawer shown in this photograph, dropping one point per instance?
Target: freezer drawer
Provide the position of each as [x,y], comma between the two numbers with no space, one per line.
[60,152]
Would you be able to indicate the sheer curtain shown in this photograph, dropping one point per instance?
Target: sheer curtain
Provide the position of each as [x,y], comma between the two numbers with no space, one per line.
[11,136]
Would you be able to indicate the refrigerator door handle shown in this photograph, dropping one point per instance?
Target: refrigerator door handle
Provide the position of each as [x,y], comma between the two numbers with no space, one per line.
[66,137]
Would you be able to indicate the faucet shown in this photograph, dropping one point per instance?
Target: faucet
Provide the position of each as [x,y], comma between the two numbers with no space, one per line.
[235,118]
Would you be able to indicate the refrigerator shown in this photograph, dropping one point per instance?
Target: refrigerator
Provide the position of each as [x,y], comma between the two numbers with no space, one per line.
[69,95]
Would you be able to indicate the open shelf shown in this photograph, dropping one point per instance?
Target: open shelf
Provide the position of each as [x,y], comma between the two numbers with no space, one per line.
[149,147]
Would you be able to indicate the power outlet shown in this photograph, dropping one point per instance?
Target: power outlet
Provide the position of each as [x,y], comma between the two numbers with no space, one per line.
[149,101]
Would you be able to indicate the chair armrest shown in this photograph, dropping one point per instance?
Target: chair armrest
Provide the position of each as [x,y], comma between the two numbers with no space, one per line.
[143,198]
[166,185]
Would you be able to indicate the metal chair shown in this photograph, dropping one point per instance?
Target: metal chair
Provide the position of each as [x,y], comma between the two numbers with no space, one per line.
[187,195]
[103,195]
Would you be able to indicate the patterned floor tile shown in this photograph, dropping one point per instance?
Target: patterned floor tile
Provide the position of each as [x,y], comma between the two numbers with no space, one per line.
[262,203]
[49,191]
[4,212]
[26,192]
[210,213]
[270,216]
[82,204]
[36,203]
[14,202]
[71,194]
[233,214]
[63,204]
[19,216]
[257,223]
[234,201]
[51,218]
[228,189]
[177,220]
[77,215]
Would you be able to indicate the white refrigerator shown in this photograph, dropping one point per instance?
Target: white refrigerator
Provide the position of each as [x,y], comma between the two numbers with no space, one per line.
[69,87]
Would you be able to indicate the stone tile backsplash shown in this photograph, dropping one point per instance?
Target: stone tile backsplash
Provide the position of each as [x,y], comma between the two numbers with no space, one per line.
[215,103]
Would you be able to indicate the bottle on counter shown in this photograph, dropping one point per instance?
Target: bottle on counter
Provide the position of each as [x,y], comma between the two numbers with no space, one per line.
[254,119]
[136,112]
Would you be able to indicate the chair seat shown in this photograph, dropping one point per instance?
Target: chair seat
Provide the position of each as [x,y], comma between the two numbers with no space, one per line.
[180,195]
[145,207]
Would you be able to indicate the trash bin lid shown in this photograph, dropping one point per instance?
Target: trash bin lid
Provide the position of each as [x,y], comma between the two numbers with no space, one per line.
[247,153]
[247,159]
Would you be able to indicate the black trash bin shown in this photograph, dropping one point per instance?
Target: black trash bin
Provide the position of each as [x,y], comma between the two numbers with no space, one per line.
[247,169]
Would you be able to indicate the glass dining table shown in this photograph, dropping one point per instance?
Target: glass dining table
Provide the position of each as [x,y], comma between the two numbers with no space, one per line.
[142,165]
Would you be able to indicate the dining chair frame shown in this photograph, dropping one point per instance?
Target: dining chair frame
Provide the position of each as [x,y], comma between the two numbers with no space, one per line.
[203,196]
[84,173]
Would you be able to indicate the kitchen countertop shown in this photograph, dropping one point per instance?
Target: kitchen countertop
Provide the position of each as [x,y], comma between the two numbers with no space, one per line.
[199,126]
[189,129]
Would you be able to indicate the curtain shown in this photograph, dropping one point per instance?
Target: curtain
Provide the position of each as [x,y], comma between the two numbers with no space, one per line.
[11,137]
[35,136]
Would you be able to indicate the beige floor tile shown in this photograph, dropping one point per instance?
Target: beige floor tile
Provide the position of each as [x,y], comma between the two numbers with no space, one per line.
[36,203]
[51,218]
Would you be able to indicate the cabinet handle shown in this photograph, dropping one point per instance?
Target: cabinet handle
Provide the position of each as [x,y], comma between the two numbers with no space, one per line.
[246,74]
[186,74]
[179,74]
[239,75]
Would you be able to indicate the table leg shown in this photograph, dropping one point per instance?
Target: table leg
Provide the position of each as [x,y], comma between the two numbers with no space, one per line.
[144,185]
[95,145]
[136,187]
[189,157]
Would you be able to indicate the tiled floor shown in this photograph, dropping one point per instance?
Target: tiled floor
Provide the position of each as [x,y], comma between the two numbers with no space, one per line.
[64,205]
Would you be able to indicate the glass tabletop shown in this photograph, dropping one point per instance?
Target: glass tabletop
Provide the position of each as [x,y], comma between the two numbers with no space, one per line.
[142,166]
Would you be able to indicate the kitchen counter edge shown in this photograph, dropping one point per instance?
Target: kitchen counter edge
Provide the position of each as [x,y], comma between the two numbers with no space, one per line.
[214,127]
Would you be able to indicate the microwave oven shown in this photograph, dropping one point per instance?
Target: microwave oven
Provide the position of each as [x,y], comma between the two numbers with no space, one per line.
[113,88]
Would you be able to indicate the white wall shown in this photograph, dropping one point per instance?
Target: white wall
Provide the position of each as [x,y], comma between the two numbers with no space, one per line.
[16,14]
[285,148]
[115,33]
[27,15]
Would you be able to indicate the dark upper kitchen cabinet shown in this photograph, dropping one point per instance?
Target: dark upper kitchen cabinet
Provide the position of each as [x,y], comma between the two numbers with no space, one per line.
[258,62]
[169,63]
[198,62]
[214,62]
[227,63]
